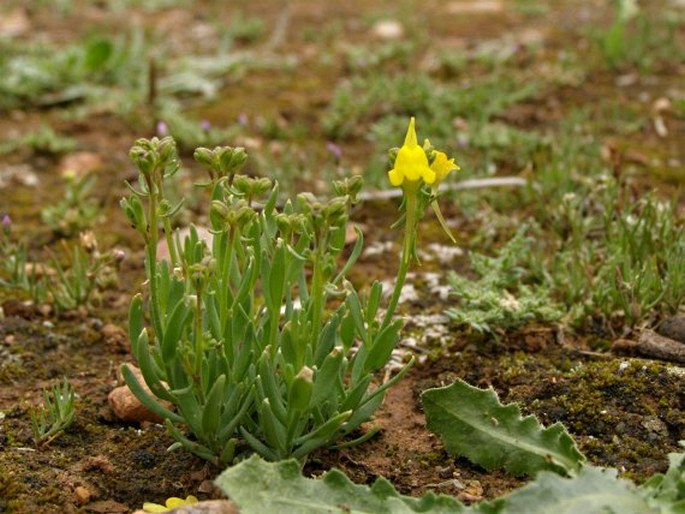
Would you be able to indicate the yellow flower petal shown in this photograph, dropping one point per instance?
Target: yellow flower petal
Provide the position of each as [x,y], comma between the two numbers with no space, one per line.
[442,166]
[410,138]
[175,502]
[154,507]
[428,175]
[396,178]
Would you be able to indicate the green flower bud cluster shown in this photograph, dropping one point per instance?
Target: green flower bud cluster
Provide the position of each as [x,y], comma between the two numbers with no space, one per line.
[155,158]
[222,161]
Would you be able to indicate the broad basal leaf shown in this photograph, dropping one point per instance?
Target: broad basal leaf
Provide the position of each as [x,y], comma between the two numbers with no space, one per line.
[666,493]
[473,423]
[257,486]
[592,491]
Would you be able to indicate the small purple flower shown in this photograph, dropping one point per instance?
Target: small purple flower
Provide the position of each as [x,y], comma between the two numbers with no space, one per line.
[242,119]
[118,254]
[162,129]
[335,150]
[206,125]
[6,224]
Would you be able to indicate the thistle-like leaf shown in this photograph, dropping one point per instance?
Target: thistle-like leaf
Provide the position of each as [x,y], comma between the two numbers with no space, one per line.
[257,487]
[593,490]
[666,492]
[473,423]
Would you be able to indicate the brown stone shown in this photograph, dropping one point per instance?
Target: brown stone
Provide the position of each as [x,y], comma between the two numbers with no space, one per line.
[127,407]
[673,328]
[82,495]
[655,346]
[624,347]
[80,163]
[202,233]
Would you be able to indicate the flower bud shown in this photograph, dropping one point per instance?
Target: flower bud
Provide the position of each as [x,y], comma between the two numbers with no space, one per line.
[205,157]
[6,224]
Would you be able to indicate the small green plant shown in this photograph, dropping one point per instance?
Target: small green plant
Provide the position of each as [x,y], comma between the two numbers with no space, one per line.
[190,133]
[76,277]
[500,299]
[86,273]
[613,44]
[56,414]
[617,256]
[77,210]
[244,28]
[260,340]
[15,270]
[42,140]
[639,38]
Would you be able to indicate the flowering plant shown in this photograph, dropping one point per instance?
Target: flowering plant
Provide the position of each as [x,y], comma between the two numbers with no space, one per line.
[258,339]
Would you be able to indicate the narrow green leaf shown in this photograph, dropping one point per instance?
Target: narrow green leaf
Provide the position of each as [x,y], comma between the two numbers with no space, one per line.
[135,318]
[277,275]
[257,487]
[356,312]
[473,423]
[326,377]
[382,346]
[326,339]
[347,331]
[354,255]
[374,301]
[273,430]
[300,394]
[211,411]
[174,330]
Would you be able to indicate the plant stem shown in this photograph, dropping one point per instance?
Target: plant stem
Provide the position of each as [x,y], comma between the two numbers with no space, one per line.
[171,244]
[407,252]
[151,249]
[316,296]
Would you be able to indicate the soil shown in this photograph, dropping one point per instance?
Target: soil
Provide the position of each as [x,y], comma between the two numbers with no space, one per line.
[624,412]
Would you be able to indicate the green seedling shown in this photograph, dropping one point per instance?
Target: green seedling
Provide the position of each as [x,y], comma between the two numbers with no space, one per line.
[43,140]
[77,210]
[16,272]
[86,273]
[55,416]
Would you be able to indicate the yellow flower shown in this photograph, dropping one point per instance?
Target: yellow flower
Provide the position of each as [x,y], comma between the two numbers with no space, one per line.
[170,504]
[411,163]
[442,166]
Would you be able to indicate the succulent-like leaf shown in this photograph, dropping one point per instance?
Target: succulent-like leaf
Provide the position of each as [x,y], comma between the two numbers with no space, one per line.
[473,423]
[257,487]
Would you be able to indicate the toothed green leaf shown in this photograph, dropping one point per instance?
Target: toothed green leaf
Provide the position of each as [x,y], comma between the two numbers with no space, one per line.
[473,423]
[666,492]
[257,486]
[593,491]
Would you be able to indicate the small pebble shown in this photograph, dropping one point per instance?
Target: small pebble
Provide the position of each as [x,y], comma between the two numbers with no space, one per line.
[673,327]
[388,30]
[82,495]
